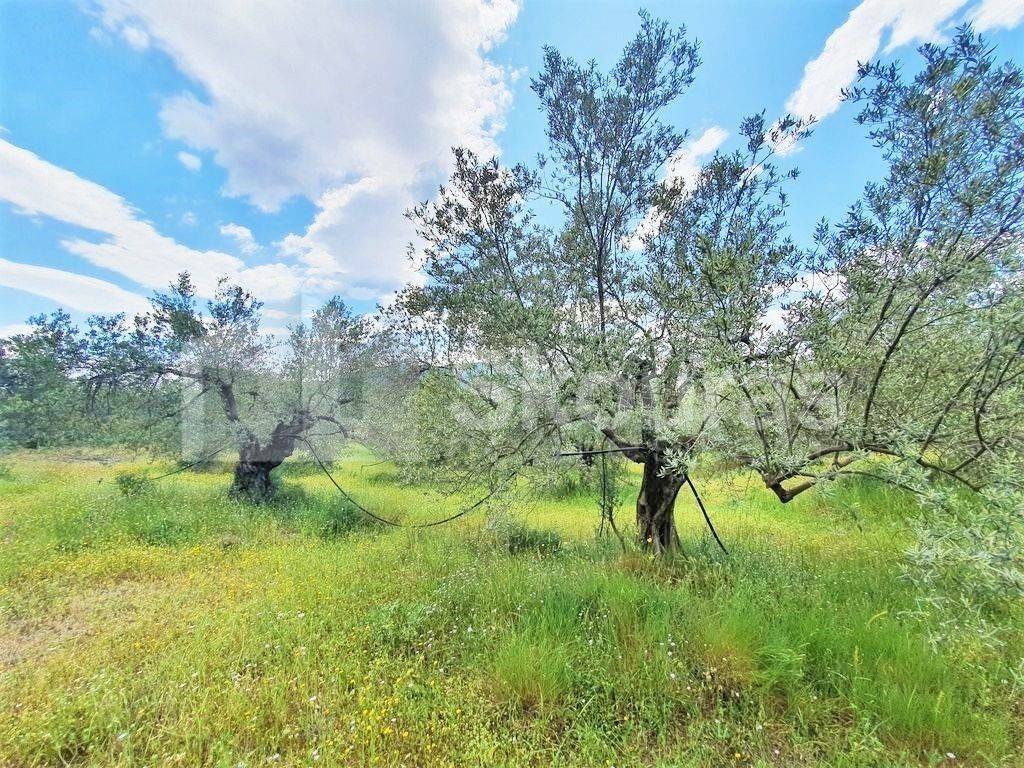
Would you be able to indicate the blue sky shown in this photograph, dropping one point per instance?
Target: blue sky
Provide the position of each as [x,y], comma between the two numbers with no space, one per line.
[280,145]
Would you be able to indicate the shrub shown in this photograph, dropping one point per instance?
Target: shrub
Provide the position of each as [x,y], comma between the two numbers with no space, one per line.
[131,483]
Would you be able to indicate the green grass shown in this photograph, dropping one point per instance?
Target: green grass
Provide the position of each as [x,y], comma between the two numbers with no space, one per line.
[176,627]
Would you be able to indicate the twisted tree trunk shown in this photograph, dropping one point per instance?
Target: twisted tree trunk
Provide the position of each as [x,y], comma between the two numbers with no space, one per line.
[655,505]
[256,460]
[252,479]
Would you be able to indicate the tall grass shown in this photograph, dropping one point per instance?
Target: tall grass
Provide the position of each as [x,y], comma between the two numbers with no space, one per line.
[177,627]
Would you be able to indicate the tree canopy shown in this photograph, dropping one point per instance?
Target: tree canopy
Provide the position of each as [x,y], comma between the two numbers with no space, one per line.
[584,297]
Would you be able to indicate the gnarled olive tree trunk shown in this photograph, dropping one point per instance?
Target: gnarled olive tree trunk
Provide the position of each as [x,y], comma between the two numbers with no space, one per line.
[252,478]
[655,505]
[256,460]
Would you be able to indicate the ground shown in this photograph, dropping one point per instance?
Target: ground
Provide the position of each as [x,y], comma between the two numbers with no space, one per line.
[173,626]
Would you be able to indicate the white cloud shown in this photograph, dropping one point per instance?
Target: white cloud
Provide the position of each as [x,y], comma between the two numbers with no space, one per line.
[859,39]
[135,37]
[276,331]
[997,14]
[99,34]
[682,168]
[131,247]
[13,329]
[241,235]
[191,162]
[354,106]
[270,282]
[88,294]
[357,241]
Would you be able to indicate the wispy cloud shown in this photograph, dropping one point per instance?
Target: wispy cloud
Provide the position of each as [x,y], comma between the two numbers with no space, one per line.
[130,246]
[859,39]
[87,294]
[135,37]
[191,162]
[685,165]
[242,236]
[997,14]
[897,23]
[12,329]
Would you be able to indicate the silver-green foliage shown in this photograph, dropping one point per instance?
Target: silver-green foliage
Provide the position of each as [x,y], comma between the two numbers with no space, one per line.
[673,318]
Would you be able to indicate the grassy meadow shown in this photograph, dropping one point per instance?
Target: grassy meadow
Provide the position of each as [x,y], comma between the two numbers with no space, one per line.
[174,627]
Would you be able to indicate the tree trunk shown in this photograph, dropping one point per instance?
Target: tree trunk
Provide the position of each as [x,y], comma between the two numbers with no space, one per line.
[655,506]
[257,460]
[252,479]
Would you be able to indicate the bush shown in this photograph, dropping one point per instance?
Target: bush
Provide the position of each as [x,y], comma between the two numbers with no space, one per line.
[968,557]
[131,483]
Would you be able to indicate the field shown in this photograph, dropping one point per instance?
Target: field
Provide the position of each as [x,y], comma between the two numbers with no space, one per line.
[175,627]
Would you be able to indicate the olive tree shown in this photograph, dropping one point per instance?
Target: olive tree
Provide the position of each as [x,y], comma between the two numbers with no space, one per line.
[674,317]
[911,345]
[269,397]
[47,397]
